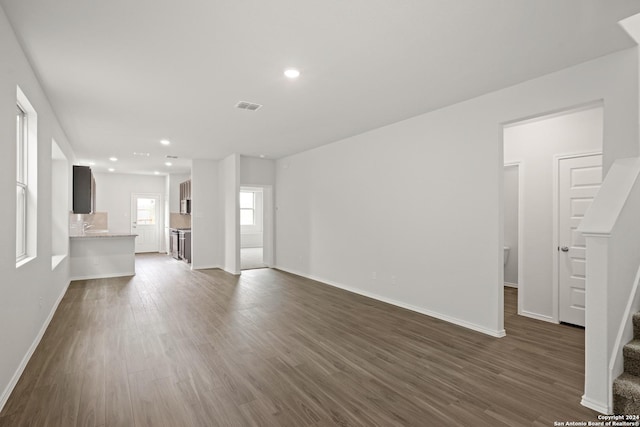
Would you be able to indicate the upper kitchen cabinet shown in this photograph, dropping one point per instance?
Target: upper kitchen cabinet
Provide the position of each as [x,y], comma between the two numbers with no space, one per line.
[185,197]
[84,190]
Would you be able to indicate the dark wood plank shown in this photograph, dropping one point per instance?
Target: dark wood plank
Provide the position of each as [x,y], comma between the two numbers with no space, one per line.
[171,346]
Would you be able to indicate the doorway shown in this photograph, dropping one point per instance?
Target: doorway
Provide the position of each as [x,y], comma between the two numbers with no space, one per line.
[145,221]
[252,230]
[537,145]
[511,223]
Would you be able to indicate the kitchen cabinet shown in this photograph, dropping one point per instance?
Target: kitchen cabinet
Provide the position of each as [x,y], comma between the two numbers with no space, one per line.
[84,190]
[185,197]
[100,255]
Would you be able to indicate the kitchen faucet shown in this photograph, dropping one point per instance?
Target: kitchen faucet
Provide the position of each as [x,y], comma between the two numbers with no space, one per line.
[86,226]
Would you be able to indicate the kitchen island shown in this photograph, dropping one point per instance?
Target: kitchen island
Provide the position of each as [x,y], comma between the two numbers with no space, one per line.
[101,254]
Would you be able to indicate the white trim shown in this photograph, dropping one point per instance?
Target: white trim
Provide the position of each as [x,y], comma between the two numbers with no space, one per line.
[521,284]
[4,397]
[24,260]
[455,321]
[56,260]
[206,267]
[537,316]
[104,276]
[510,285]
[559,112]
[596,406]
[555,214]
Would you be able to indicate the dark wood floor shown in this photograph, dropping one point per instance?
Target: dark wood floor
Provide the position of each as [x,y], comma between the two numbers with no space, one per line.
[172,347]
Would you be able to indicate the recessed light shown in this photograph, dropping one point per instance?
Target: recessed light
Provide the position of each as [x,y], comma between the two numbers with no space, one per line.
[113,159]
[165,142]
[156,173]
[168,163]
[137,153]
[111,169]
[262,156]
[92,163]
[292,73]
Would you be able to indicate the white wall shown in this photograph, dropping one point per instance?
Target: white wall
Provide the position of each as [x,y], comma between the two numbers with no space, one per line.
[256,171]
[28,294]
[230,188]
[113,195]
[207,234]
[511,223]
[167,214]
[60,171]
[408,203]
[534,145]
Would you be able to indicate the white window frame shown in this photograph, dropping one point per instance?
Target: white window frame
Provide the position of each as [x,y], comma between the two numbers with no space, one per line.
[27,180]
[253,209]
[22,170]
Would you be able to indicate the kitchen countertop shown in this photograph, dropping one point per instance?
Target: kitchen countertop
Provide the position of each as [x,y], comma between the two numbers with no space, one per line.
[106,234]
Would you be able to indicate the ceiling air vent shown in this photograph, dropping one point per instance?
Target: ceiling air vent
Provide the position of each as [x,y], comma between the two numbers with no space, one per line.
[171,157]
[244,105]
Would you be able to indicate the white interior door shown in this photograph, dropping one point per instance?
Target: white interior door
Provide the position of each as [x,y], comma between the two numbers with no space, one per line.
[145,219]
[579,181]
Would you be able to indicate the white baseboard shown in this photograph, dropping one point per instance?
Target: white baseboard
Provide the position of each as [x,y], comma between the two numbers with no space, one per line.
[446,318]
[104,276]
[537,316]
[23,364]
[205,267]
[511,285]
[603,408]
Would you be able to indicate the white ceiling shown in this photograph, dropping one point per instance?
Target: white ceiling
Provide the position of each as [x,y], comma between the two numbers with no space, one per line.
[123,74]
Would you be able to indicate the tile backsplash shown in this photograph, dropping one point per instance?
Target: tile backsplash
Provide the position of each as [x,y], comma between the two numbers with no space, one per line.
[97,221]
[177,220]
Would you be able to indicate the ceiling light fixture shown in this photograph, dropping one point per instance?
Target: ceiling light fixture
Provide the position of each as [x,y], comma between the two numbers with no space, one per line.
[292,73]
[111,169]
[168,163]
[262,156]
[113,159]
[156,173]
[165,142]
[92,163]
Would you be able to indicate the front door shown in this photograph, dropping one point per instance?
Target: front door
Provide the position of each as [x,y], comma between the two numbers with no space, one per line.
[579,181]
[145,217]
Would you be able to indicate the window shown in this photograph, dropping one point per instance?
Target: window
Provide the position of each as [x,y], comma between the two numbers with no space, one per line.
[146,212]
[21,184]
[26,180]
[247,208]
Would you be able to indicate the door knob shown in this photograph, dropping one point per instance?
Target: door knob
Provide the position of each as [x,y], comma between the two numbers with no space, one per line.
[564,249]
